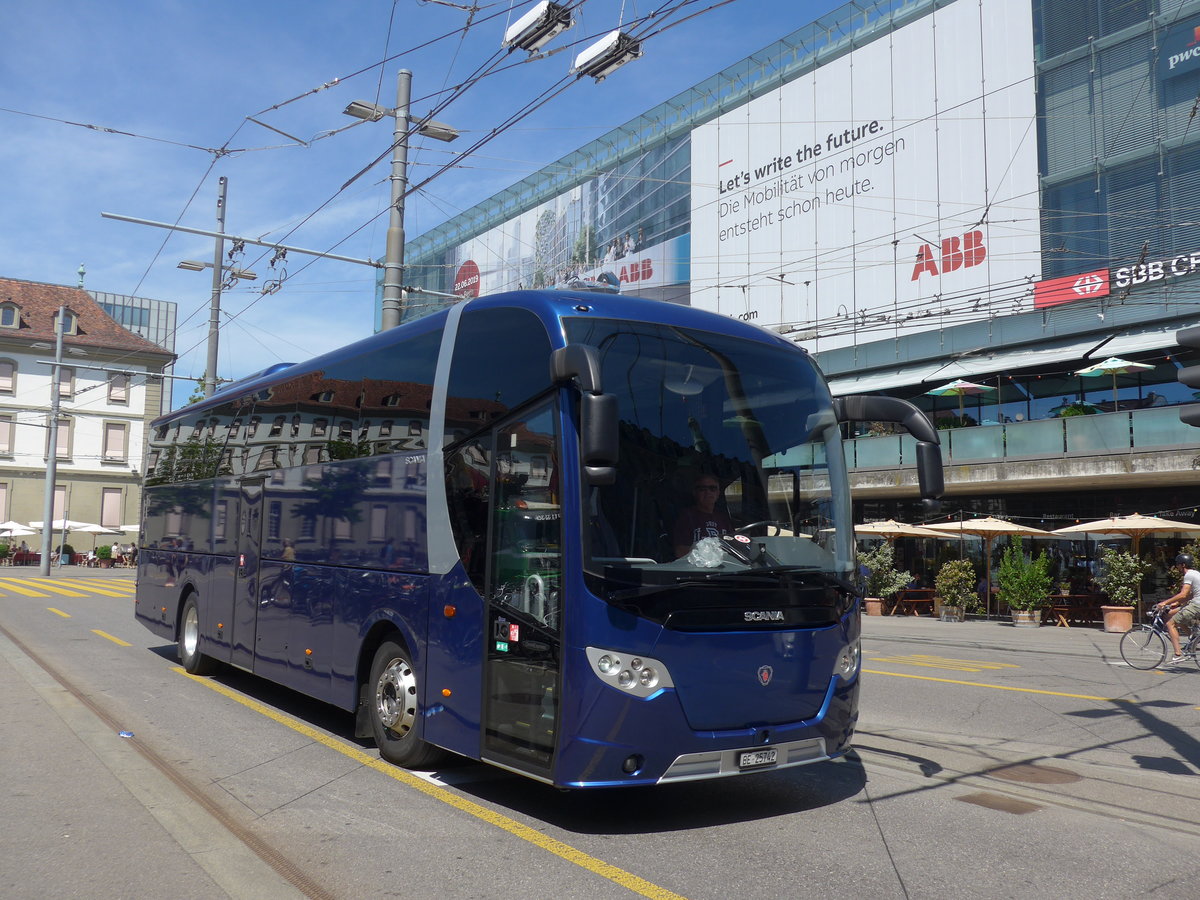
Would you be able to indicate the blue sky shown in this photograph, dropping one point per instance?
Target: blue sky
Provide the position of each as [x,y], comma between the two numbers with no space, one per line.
[180,79]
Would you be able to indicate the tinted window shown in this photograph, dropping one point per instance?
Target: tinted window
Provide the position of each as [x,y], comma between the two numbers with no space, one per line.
[501,359]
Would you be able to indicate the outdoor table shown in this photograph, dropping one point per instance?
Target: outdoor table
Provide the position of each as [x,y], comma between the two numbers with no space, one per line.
[1077,608]
[912,600]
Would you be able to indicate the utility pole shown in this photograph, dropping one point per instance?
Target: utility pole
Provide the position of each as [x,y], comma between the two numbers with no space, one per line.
[392,310]
[52,431]
[214,307]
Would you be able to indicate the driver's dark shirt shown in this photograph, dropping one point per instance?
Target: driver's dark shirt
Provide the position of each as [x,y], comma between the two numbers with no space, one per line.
[694,524]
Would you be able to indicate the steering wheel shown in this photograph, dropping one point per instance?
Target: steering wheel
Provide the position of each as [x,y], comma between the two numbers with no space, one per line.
[780,527]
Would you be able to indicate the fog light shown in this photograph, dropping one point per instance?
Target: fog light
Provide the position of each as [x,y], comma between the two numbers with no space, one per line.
[625,679]
[632,764]
[607,664]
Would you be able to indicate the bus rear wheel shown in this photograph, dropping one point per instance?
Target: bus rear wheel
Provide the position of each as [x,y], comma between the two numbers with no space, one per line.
[393,702]
[193,661]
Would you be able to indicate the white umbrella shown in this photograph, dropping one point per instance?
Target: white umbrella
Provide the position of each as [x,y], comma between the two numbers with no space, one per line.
[1114,366]
[60,524]
[19,531]
[95,530]
[131,529]
[891,529]
[1133,527]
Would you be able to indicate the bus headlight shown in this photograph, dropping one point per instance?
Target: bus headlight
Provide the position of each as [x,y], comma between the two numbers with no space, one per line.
[641,676]
[847,664]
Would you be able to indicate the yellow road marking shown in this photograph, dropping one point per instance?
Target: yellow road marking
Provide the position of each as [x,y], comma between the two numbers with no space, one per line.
[115,640]
[59,612]
[1001,687]
[47,585]
[942,662]
[106,591]
[524,832]
[24,592]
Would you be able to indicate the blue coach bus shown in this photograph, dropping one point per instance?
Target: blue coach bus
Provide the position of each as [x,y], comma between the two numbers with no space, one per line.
[461,530]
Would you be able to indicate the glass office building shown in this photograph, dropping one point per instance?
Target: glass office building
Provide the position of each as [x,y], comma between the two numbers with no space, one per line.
[1000,191]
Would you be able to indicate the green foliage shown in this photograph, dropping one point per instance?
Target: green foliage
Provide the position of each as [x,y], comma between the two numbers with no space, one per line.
[1076,409]
[883,580]
[104,551]
[1023,583]
[1120,575]
[4,551]
[197,393]
[955,583]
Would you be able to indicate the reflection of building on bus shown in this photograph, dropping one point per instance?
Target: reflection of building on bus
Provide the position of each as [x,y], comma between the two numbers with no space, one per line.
[471,552]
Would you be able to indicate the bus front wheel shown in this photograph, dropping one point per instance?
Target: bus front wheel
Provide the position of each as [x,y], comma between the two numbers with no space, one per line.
[193,661]
[393,700]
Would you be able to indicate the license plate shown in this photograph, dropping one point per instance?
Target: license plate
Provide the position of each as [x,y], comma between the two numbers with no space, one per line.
[752,759]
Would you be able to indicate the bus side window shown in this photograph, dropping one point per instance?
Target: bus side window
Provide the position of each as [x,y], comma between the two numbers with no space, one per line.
[467,472]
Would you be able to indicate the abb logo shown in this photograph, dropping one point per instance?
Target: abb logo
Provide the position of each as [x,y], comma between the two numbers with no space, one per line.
[957,253]
[642,270]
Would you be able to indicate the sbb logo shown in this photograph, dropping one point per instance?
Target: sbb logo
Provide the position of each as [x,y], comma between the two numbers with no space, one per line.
[957,253]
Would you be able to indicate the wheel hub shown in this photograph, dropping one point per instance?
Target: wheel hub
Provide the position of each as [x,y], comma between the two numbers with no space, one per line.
[396,697]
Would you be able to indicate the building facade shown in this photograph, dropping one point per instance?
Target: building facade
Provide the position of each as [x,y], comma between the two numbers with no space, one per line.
[1003,192]
[109,388]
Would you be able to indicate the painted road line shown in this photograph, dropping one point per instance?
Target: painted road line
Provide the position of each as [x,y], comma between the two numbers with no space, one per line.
[6,585]
[59,612]
[44,584]
[941,662]
[115,640]
[596,866]
[1001,687]
[106,591]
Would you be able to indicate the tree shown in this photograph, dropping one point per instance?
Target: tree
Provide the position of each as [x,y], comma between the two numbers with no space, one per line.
[882,579]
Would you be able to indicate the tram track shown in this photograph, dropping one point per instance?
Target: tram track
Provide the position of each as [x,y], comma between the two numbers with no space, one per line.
[1031,776]
[226,869]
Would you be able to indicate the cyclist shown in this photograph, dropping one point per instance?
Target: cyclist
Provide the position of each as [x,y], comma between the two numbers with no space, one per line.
[1184,608]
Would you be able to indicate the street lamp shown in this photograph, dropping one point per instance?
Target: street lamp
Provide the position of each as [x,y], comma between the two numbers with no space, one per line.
[52,454]
[194,265]
[393,267]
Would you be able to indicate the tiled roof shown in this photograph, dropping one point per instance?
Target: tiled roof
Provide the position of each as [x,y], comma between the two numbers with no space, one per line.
[39,305]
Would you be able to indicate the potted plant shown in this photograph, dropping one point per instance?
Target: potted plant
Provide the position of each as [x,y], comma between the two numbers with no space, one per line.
[104,556]
[955,585]
[1023,584]
[881,579]
[4,551]
[1120,578]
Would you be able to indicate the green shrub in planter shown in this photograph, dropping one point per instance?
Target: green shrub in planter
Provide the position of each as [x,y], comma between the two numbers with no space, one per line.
[882,579]
[104,551]
[1023,583]
[955,584]
[1121,575]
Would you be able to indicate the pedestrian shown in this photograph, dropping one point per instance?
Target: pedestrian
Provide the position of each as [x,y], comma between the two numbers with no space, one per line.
[1184,607]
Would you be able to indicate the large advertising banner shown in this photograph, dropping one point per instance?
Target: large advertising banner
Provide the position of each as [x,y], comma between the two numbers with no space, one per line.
[892,189]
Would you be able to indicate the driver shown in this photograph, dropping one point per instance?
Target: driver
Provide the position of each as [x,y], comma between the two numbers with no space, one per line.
[702,519]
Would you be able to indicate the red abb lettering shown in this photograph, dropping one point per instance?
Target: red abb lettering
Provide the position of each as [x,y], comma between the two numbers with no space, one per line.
[957,253]
[638,271]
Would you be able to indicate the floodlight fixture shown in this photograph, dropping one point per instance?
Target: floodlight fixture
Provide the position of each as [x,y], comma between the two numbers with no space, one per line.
[361,109]
[607,55]
[194,265]
[544,22]
[439,131]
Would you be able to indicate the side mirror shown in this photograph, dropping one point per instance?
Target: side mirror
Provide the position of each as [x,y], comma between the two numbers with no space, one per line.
[900,412]
[598,413]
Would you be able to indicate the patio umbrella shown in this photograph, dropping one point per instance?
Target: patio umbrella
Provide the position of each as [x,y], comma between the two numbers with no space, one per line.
[1114,366]
[891,529]
[131,529]
[959,388]
[1133,527]
[989,529]
[95,530]
[10,525]
[19,531]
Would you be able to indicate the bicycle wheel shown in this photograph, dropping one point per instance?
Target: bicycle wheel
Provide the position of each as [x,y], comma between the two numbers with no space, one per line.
[1143,647]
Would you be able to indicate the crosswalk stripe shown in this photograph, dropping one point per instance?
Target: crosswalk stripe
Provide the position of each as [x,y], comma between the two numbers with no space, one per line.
[108,590]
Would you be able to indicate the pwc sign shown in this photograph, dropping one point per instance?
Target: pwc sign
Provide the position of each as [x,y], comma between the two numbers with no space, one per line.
[954,253]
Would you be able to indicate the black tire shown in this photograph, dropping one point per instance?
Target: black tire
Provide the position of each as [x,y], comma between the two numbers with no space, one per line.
[393,704]
[190,657]
[1143,647]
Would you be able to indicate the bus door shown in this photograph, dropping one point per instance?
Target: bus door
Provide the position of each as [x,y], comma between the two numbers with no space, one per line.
[245,571]
[523,638]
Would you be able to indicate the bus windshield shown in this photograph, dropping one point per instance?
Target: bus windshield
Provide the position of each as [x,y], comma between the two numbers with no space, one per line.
[730,466]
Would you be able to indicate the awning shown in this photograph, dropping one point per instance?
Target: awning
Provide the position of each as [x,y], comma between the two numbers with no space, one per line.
[989,363]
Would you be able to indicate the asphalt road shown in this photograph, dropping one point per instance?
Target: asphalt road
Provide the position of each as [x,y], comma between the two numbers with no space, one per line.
[991,762]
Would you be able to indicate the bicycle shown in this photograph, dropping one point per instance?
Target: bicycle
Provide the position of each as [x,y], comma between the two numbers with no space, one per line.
[1146,646]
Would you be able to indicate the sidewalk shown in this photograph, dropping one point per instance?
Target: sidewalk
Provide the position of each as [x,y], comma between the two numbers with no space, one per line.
[991,635]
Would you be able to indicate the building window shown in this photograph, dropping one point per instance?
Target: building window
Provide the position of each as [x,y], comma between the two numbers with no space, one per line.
[118,388]
[277,426]
[110,507]
[70,325]
[252,428]
[378,522]
[414,428]
[320,426]
[8,376]
[66,382]
[10,315]
[274,519]
[220,521]
[4,500]
[6,435]
[63,442]
[385,428]
[115,449]
[60,501]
